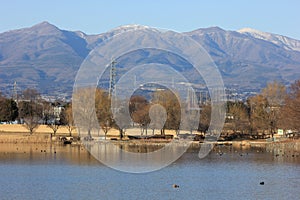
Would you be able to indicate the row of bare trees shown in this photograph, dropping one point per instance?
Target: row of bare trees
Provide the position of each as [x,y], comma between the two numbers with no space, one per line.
[162,113]
[275,107]
[32,111]
[140,110]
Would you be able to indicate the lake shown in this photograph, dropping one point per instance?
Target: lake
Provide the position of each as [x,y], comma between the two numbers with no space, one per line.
[70,172]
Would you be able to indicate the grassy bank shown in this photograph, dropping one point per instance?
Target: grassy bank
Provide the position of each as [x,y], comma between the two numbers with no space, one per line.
[42,129]
[17,133]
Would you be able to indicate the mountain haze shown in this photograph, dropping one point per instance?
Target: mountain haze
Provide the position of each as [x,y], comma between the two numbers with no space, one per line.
[47,58]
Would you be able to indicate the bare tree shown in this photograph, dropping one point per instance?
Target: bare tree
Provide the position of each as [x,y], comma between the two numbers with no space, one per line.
[84,112]
[66,118]
[275,93]
[31,95]
[258,114]
[237,117]
[291,109]
[265,108]
[139,111]
[47,112]
[31,109]
[171,103]
[103,110]
[205,116]
[122,118]
[158,117]
[54,125]
[31,123]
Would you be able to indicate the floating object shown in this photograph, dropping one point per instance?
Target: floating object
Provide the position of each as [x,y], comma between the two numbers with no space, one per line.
[175,186]
[262,183]
[67,142]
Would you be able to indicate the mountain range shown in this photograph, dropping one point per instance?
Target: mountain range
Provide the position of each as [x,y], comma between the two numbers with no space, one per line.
[47,58]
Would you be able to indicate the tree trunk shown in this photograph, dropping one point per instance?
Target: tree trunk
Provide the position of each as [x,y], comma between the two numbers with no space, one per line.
[121,133]
[89,135]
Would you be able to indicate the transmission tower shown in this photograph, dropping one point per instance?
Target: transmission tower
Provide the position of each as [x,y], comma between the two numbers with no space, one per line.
[192,100]
[15,92]
[112,78]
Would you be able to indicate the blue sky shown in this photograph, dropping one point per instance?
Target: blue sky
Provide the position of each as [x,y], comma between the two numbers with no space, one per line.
[92,17]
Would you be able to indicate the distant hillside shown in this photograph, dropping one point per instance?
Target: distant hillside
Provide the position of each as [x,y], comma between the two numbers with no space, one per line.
[247,61]
[47,58]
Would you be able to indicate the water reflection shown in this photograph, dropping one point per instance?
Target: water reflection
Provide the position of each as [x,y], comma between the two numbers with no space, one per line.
[78,155]
[32,171]
[136,158]
[46,153]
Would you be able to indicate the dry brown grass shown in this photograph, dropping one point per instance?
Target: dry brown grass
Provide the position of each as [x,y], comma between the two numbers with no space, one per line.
[42,129]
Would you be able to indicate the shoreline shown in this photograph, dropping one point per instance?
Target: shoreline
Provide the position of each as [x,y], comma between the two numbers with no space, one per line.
[18,134]
[26,140]
[45,137]
[286,150]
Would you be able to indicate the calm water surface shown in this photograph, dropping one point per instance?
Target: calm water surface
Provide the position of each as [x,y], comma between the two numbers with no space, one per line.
[69,172]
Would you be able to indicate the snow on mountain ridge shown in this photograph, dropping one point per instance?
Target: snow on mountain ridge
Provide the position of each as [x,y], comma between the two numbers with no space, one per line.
[285,42]
[131,27]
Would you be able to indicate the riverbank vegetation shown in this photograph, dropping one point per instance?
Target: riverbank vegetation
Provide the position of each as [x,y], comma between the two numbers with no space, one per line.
[274,110]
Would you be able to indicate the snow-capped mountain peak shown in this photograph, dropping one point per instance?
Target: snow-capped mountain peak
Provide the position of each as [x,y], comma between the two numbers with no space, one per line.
[130,27]
[285,42]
